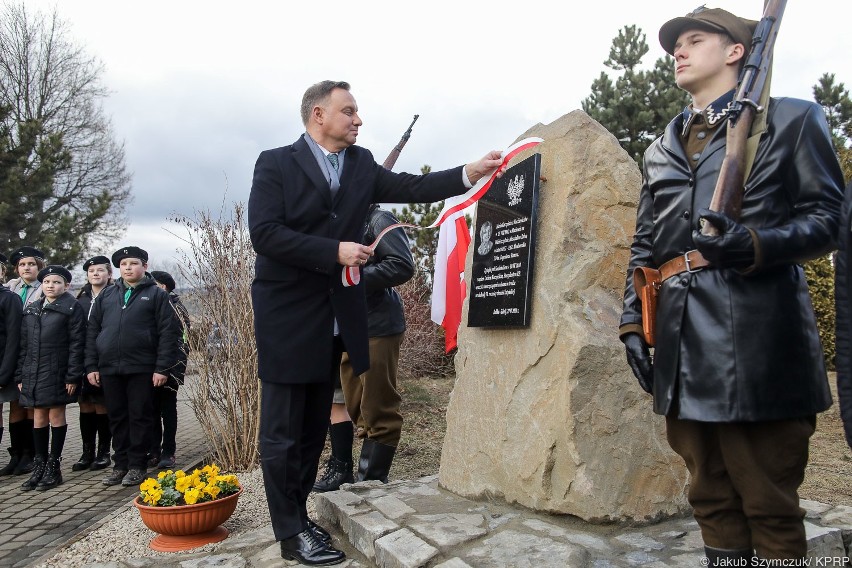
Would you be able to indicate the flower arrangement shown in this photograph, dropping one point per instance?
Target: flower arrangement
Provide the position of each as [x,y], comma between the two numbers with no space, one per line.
[177,488]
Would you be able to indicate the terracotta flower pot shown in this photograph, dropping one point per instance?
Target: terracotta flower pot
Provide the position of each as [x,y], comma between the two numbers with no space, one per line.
[187,526]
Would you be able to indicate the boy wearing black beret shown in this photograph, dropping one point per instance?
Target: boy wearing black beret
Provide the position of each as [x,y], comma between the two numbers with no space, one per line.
[130,349]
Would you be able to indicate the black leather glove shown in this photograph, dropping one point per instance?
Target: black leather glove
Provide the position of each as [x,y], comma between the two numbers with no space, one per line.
[639,359]
[733,248]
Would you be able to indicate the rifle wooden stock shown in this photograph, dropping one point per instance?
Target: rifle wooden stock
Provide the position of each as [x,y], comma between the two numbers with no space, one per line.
[394,154]
[752,91]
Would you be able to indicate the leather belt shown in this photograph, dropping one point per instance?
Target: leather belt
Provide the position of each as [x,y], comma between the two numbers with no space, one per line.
[691,261]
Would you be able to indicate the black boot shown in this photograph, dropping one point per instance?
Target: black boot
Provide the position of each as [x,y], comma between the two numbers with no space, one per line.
[377,462]
[102,460]
[52,474]
[25,464]
[39,466]
[336,474]
[725,557]
[15,447]
[86,459]
[9,468]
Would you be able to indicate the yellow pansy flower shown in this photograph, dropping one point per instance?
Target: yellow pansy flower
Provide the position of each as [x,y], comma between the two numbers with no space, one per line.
[183,483]
[191,496]
[212,490]
[148,484]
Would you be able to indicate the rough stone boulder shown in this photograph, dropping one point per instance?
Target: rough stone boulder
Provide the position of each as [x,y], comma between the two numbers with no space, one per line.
[550,416]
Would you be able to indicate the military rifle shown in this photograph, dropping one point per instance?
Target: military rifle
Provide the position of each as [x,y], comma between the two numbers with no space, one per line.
[394,154]
[749,100]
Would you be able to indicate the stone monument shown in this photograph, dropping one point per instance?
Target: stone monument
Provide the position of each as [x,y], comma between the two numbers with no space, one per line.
[549,416]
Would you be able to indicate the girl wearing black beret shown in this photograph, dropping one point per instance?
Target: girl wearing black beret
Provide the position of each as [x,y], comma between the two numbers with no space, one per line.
[50,370]
[94,422]
[10,331]
[27,261]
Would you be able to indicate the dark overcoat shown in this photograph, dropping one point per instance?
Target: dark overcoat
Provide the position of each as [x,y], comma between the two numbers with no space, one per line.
[53,340]
[733,346]
[296,228]
[842,299]
[11,311]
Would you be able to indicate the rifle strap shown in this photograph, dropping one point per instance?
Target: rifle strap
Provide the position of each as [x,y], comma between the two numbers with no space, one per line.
[758,127]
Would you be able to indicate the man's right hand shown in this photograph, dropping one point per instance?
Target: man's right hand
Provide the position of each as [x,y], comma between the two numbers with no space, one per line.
[639,359]
[353,254]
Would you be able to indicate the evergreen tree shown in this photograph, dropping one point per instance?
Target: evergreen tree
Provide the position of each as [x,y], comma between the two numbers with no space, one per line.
[636,107]
[424,242]
[837,105]
[63,182]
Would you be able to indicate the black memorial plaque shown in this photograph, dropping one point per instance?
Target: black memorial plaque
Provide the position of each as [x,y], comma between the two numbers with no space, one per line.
[504,249]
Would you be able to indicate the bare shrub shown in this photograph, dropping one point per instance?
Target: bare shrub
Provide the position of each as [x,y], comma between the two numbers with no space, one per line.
[422,351]
[226,398]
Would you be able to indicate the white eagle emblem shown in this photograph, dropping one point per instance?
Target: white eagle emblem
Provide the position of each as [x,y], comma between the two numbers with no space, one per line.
[516,187]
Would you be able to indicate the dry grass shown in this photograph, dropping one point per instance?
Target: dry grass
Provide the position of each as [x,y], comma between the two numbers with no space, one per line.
[828,478]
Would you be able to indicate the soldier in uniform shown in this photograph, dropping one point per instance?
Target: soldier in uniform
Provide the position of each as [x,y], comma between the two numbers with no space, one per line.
[741,419]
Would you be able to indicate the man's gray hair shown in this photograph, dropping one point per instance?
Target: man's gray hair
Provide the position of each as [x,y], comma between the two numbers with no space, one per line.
[317,95]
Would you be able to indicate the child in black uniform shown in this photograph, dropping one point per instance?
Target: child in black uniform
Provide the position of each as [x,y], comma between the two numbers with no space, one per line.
[50,369]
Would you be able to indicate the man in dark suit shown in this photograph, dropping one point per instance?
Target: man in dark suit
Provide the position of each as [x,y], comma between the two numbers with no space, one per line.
[306,213]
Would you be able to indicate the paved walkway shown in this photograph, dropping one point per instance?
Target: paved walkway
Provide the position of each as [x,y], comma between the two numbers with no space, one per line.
[416,524]
[33,522]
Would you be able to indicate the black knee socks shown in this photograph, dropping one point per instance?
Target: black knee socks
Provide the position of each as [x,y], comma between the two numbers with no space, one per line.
[41,437]
[88,428]
[341,440]
[104,434]
[58,434]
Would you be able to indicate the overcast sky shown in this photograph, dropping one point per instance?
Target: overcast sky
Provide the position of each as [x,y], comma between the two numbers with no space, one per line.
[199,89]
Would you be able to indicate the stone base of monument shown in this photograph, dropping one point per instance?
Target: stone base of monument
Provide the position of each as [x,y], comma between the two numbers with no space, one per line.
[407,524]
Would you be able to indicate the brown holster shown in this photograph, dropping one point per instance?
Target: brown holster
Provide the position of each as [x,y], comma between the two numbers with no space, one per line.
[646,282]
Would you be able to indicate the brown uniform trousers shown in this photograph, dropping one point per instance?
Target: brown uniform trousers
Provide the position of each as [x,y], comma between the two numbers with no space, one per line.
[744,481]
[372,399]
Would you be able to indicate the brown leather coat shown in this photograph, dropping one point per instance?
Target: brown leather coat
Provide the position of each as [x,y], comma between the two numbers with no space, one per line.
[734,346]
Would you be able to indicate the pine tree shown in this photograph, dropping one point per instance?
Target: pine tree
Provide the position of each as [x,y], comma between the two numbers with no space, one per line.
[636,107]
[63,183]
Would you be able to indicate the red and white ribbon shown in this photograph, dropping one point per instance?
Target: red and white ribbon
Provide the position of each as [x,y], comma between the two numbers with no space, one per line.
[352,274]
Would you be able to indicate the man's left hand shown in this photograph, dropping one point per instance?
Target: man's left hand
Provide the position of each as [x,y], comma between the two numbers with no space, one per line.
[732,248]
[159,380]
[484,167]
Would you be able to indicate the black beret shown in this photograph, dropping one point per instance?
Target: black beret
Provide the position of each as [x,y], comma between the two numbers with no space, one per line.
[95,260]
[3,259]
[129,252]
[55,269]
[709,19]
[164,278]
[25,252]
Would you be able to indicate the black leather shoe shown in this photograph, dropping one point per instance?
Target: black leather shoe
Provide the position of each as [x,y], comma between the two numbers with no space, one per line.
[25,464]
[321,533]
[134,477]
[52,475]
[115,477]
[39,465]
[308,549]
[9,468]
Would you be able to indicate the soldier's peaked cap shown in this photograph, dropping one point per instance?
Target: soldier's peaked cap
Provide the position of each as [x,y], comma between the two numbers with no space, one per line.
[708,19]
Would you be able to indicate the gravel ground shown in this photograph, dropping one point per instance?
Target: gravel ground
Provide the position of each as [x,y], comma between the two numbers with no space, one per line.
[123,535]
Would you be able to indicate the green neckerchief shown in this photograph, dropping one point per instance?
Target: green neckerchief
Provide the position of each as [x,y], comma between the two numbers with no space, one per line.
[24,292]
[127,294]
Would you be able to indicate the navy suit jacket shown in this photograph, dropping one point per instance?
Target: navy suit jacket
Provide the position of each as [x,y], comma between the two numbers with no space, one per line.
[295,228]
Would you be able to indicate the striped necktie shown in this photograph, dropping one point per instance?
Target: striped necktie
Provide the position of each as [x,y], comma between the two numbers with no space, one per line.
[334,161]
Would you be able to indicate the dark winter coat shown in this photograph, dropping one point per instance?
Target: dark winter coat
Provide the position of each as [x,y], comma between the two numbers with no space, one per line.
[84,298]
[11,310]
[391,265]
[296,227]
[734,346]
[182,321]
[842,298]
[140,337]
[51,355]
